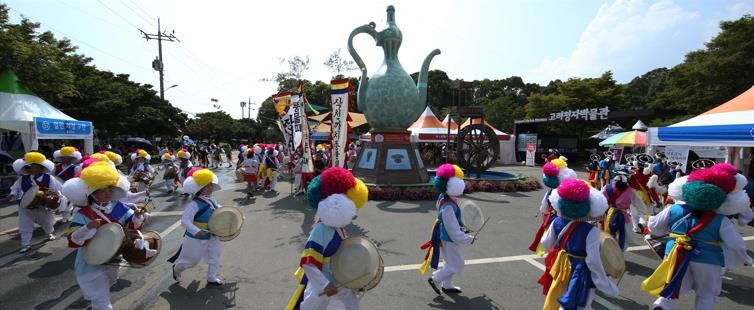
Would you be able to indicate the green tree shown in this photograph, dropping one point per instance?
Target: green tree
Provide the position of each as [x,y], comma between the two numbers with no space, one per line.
[711,76]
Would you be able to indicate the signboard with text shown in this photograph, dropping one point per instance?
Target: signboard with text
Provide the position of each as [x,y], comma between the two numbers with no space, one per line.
[50,128]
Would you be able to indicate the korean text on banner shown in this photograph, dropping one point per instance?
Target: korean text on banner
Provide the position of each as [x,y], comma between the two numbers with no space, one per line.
[678,153]
[339,128]
[282,104]
[308,166]
[50,128]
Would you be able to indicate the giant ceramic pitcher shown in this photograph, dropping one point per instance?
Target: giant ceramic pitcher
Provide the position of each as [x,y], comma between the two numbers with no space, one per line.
[389,99]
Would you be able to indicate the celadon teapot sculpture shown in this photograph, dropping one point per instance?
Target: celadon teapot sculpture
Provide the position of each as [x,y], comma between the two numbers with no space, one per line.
[389,99]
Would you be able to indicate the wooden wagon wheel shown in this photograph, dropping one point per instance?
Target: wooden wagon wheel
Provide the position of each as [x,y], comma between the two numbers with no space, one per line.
[477,147]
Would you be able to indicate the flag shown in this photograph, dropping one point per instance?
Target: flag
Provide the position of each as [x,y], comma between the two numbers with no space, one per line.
[282,103]
[339,94]
[214,100]
[300,90]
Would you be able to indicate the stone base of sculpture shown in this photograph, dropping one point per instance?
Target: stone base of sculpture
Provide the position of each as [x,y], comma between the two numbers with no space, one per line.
[389,158]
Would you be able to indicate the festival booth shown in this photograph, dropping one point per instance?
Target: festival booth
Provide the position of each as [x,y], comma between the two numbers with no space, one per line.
[34,118]
[730,125]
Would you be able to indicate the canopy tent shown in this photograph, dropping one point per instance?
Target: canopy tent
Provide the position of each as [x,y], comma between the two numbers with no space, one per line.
[729,124]
[22,111]
[428,128]
[607,132]
[453,124]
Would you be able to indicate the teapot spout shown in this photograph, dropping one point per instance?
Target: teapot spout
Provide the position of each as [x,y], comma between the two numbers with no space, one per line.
[421,84]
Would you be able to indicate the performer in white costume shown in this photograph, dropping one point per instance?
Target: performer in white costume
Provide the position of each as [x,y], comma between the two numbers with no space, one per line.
[198,242]
[34,169]
[66,168]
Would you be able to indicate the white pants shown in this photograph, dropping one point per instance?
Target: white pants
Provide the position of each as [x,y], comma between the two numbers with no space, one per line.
[26,219]
[297,182]
[706,280]
[452,254]
[95,287]
[193,250]
[344,299]
[169,184]
[274,180]
[65,208]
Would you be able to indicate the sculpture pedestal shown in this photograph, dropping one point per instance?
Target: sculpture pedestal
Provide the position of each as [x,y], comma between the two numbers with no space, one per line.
[389,158]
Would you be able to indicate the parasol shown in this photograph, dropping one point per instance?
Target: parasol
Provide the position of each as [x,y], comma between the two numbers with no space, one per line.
[628,138]
[139,143]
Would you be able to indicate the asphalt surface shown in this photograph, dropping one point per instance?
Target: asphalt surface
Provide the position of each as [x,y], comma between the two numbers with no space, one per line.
[258,266]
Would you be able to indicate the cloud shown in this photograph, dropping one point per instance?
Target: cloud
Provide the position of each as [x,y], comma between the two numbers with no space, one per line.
[621,38]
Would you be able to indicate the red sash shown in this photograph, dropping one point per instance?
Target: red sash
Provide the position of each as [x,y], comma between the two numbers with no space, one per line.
[552,254]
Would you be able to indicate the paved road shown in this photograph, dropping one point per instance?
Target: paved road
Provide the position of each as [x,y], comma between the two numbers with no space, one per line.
[500,272]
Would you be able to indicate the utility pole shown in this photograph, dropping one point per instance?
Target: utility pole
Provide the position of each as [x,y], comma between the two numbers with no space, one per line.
[250,107]
[157,63]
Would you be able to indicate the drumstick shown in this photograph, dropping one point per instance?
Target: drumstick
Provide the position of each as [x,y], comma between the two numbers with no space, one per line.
[480,229]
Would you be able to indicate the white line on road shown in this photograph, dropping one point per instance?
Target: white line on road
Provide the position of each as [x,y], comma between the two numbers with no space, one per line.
[165,213]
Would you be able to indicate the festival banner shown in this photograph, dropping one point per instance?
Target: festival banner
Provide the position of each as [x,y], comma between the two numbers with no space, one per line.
[339,116]
[282,103]
[308,166]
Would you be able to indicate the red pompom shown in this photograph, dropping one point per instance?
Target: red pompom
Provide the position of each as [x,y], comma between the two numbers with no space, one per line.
[730,169]
[335,180]
[550,169]
[719,177]
[191,171]
[573,190]
[445,171]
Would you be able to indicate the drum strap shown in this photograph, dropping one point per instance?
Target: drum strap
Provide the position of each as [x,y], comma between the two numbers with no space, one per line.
[92,213]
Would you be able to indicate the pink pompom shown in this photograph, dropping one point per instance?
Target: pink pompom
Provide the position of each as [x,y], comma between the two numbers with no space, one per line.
[191,171]
[550,169]
[445,171]
[573,190]
[730,169]
[719,177]
[335,180]
[88,162]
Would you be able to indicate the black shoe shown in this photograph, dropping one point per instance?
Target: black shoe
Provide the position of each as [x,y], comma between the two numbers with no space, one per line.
[215,283]
[434,287]
[176,278]
[451,291]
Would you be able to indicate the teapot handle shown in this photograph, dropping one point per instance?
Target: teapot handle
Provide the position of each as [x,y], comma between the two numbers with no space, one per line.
[370,30]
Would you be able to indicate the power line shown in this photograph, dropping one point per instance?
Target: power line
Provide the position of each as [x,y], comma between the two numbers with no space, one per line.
[95,16]
[142,10]
[77,40]
[137,13]
[118,14]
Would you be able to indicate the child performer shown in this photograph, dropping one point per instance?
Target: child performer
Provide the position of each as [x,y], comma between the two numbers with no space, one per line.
[168,164]
[554,172]
[574,248]
[198,242]
[250,167]
[97,191]
[336,195]
[448,239]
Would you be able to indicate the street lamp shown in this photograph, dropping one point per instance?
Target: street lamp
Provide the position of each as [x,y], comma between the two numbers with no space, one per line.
[172,86]
[243,105]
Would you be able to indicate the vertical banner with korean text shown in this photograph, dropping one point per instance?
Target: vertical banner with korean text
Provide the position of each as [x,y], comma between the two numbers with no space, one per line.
[282,102]
[305,142]
[339,117]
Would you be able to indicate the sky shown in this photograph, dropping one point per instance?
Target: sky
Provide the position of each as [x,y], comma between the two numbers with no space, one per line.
[227,48]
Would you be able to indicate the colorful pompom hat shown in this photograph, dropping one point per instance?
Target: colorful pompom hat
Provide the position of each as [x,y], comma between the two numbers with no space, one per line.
[20,165]
[575,199]
[556,171]
[140,153]
[113,157]
[67,151]
[337,195]
[184,154]
[198,179]
[97,175]
[449,180]
[168,156]
[707,189]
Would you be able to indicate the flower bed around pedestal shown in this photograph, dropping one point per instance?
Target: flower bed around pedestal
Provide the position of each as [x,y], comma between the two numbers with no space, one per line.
[427,192]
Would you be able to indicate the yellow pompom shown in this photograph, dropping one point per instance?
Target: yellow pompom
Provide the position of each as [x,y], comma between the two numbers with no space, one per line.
[100,175]
[143,153]
[114,157]
[67,150]
[559,162]
[459,172]
[100,156]
[181,153]
[358,194]
[166,156]
[34,158]
[203,177]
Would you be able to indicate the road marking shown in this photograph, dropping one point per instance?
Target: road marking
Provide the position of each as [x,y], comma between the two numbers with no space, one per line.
[530,258]
[536,264]
[165,213]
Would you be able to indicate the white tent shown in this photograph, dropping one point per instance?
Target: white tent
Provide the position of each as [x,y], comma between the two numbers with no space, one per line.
[428,128]
[507,142]
[19,108]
